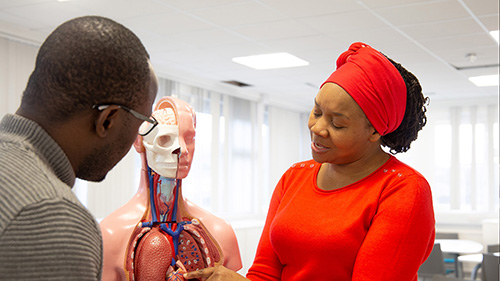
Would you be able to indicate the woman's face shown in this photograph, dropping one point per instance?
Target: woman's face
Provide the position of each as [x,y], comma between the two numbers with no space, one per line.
[340,131]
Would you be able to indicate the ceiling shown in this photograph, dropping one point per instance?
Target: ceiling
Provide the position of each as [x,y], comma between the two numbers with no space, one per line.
[194,40]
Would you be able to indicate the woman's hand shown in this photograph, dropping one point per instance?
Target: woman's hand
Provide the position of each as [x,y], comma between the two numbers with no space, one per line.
[218,273]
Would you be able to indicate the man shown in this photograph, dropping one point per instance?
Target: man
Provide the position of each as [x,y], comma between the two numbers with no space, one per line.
[91,89]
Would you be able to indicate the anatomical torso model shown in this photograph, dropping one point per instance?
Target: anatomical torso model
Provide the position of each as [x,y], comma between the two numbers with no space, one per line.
[158,234]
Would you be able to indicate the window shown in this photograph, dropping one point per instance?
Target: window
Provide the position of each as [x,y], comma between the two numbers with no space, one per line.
[228,170]
[465,176]
[441,187]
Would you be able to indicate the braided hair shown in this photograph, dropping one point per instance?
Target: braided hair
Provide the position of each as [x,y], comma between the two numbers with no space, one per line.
[414,119]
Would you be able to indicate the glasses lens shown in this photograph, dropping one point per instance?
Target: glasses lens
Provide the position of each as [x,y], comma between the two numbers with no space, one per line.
[145,128]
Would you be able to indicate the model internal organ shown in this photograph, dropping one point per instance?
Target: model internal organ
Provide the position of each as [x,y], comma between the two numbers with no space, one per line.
[158,234]
[165,244]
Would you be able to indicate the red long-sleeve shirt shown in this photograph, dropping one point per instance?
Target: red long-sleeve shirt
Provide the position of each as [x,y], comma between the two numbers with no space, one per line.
[380,228]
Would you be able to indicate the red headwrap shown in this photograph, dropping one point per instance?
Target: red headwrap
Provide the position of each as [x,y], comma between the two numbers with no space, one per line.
[374,83]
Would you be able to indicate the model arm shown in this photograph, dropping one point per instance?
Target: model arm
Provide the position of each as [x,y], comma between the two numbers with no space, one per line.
[401,234]
[116,230]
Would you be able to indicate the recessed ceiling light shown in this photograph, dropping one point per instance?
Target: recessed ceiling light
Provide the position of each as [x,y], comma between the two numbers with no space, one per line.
[494,34]
[271,61]
[485,80]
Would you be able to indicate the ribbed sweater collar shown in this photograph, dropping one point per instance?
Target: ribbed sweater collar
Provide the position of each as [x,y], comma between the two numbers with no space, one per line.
[43,144]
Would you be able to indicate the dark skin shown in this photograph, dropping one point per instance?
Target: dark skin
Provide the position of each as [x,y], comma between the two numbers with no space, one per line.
[94,141]
[342,140]
[218,273]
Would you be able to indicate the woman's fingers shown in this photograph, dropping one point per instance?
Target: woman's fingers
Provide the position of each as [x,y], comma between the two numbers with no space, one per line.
[218,273]
[202,273]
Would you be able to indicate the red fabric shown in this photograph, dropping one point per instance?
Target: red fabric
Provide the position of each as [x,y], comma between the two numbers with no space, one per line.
[380,228]
[374,83]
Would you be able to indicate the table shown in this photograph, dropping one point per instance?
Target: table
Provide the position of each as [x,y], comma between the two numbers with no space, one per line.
[477,259]
[457,247]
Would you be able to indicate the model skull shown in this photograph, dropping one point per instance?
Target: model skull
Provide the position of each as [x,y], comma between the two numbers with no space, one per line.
[162,145]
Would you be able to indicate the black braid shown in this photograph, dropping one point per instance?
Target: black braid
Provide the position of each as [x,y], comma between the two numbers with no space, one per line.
[414,119]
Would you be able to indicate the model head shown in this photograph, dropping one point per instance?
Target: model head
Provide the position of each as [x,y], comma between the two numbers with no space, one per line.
[170,146]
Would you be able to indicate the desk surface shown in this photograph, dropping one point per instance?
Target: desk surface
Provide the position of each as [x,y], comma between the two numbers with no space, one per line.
[459,246]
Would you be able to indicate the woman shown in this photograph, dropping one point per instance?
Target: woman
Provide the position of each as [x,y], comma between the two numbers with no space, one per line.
[354,212]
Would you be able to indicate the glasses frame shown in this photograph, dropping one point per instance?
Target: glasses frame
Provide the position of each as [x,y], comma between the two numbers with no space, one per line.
[151,119]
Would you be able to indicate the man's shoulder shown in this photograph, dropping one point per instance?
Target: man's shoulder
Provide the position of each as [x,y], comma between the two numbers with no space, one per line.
[26,180]
[52,233]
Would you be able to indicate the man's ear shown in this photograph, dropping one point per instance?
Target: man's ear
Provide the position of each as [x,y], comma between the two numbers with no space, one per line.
[105,121]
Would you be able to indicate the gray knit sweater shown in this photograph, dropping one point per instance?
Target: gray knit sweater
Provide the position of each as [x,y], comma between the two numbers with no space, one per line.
[45,232]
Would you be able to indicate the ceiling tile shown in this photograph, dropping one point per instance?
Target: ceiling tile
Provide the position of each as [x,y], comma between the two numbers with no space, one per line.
[274,30]
[458,57]
[168,24]
[424,12]
[490,22]
[54,13]
[11,3]
[216,37]
[196,5]
[300,8]
[235,14]
[442,29]
[393,3]
[127,8]
[236,50]
[331,24]
[303,44]
[158,43]
[482,7]
[470,41]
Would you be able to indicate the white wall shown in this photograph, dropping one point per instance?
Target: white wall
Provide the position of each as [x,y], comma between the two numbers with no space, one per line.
[284,140]
[468,223]
[17,61]
[120,184]
[248,235]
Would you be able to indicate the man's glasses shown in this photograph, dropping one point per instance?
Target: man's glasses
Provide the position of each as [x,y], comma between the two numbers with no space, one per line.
[145,128]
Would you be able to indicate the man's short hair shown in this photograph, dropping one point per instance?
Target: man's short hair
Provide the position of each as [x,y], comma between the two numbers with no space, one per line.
[86,61]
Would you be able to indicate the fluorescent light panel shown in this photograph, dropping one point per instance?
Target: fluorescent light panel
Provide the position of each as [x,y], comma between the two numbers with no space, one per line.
[485,80]
[494,34]
[271,61]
